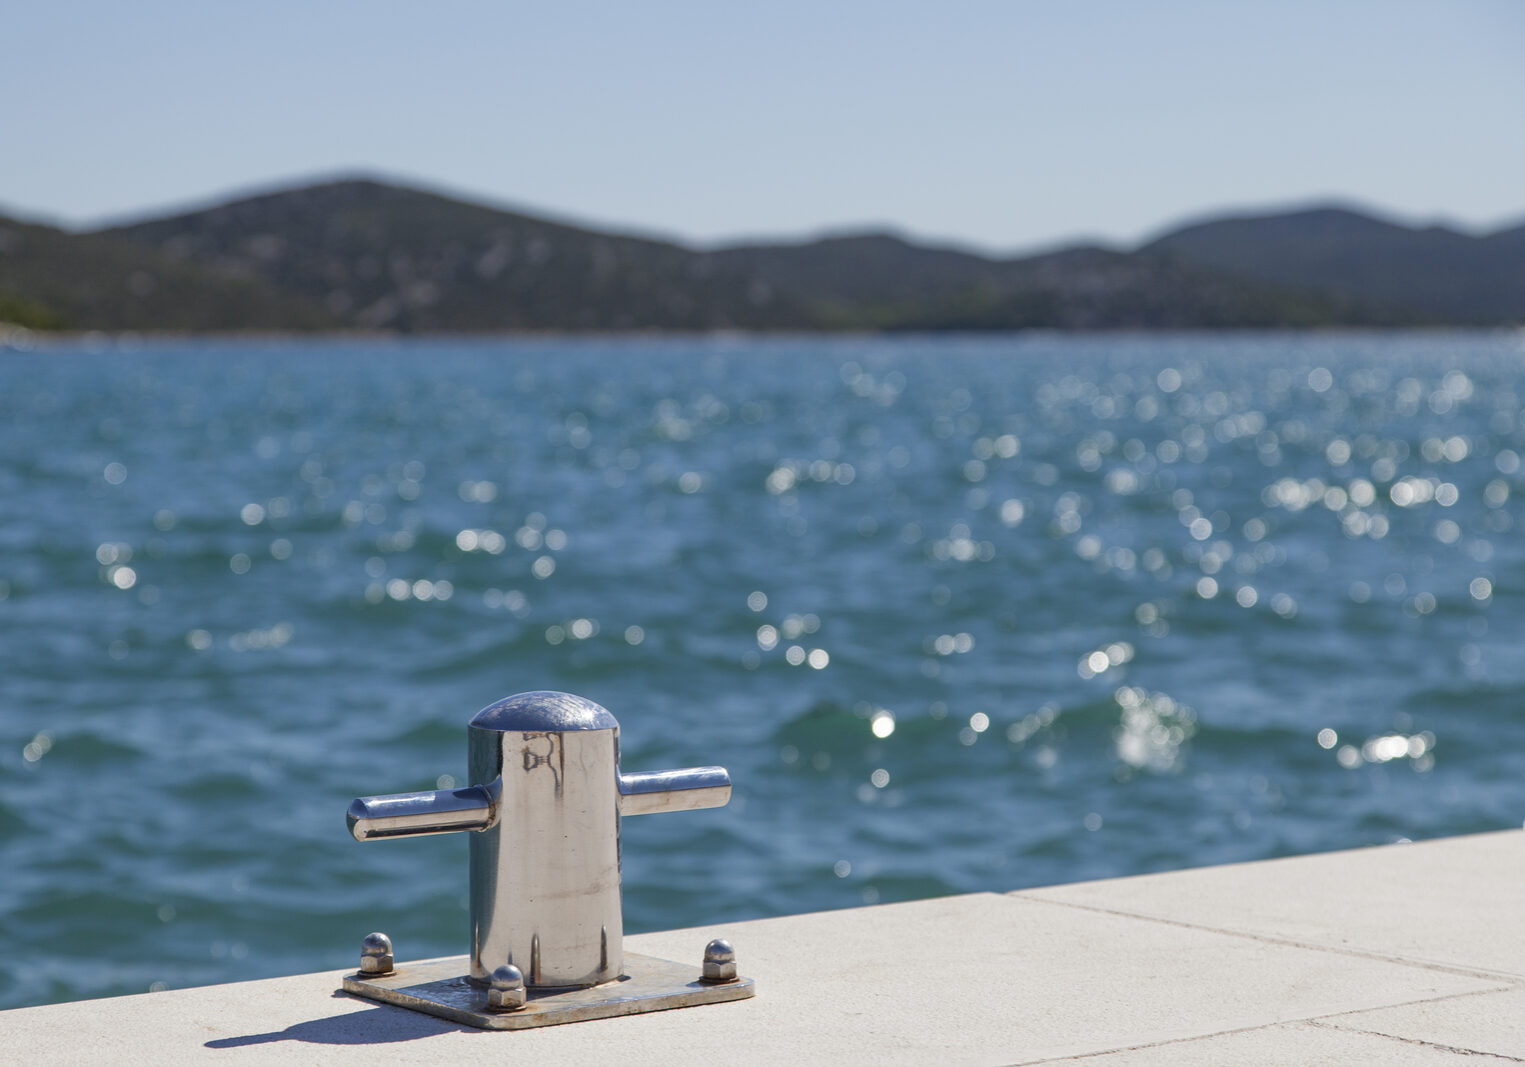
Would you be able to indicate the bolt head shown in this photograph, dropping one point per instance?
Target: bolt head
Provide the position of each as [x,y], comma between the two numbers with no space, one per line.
[376,955]
[507,991]
[719,962]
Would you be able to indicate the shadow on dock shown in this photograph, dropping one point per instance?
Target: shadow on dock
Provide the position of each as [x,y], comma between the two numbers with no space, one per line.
[374,1026]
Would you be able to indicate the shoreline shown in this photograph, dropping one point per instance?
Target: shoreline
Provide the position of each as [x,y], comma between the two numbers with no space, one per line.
[44,338]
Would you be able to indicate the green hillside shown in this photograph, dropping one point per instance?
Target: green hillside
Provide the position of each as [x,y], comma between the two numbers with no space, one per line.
[50,279]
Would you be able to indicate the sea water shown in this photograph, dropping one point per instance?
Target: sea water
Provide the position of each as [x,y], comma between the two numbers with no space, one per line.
[957,614]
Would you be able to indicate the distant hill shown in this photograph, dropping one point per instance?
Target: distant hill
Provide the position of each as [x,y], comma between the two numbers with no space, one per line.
[882,282]
[383,257]
[50,279]
[1435,271]
[365,255]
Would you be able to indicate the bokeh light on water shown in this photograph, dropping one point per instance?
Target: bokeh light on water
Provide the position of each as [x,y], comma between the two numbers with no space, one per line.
[958,615]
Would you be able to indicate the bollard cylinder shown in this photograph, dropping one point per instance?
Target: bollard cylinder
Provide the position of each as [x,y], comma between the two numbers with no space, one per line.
[545,877]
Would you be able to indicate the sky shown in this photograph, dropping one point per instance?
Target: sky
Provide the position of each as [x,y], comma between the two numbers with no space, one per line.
[1001,126]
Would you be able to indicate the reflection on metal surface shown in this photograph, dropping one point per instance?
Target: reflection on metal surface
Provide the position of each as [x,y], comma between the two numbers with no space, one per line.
[441,811]
[545,801]
[545,879]
[442,988]
[651,791]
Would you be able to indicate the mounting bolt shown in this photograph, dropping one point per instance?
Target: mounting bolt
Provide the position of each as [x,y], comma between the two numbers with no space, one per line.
[507,992]
[376,955]
[719,962]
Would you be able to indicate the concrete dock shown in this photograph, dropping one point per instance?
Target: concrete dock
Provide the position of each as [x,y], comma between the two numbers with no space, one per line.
[1403,954]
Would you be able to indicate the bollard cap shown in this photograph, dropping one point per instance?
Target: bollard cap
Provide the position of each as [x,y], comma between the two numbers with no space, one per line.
[543,712]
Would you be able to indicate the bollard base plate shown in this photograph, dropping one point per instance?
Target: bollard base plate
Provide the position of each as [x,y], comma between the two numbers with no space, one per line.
[439,987]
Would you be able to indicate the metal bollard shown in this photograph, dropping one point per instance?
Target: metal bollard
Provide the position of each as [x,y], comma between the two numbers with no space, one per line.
[545,804]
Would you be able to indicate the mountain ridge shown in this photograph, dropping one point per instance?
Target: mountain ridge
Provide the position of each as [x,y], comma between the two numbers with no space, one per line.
[362,254]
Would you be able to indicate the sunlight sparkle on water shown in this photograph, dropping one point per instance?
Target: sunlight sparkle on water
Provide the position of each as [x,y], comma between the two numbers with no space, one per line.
[1038,551]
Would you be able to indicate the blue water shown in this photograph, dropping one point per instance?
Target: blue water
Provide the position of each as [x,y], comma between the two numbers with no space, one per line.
[957,614]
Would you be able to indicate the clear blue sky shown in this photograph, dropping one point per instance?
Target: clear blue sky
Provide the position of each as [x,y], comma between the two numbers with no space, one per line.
[1004,125]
